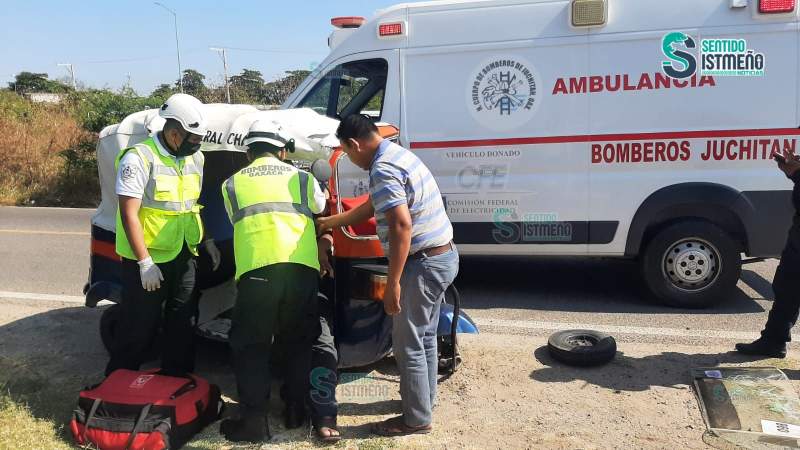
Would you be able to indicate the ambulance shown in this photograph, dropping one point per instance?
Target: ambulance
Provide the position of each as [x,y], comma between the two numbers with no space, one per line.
[640,129]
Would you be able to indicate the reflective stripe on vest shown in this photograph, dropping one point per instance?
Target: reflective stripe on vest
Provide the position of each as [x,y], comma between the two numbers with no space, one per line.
[192,166]
[268,207]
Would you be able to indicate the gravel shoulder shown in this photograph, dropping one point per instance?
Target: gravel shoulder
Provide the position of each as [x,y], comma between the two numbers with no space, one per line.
[508,393]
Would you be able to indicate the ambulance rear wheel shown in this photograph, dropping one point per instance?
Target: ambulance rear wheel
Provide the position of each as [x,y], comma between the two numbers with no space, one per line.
[692,264]
[109,322]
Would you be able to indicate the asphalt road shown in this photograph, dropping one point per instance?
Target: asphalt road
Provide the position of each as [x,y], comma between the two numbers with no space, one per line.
[44,257]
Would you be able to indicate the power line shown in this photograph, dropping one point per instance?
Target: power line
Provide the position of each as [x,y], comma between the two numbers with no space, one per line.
[274,50]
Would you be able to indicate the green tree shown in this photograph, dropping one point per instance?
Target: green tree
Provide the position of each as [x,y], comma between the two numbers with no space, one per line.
[247,87]
[26,82]
[163,91]
[276,92]
[97,109]
[193,83]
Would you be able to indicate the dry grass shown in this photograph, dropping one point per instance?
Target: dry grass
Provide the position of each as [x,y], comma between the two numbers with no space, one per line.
[20,430]
[32,168]
[32,413]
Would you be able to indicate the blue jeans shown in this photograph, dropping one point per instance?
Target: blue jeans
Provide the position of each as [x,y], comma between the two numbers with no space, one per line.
[422,285]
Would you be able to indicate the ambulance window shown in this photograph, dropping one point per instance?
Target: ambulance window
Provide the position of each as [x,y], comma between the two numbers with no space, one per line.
[350,88]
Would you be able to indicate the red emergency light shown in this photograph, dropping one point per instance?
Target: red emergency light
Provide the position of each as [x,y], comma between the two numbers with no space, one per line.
[390,29]
[776,6]
[348,22]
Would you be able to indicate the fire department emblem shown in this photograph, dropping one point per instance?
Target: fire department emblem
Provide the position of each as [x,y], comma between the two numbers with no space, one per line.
[503,93]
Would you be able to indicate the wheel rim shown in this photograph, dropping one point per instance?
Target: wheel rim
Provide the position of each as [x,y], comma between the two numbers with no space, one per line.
[582,340]
[692,265]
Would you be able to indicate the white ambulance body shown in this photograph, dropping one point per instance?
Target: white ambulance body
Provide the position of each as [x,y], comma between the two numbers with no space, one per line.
[555,127]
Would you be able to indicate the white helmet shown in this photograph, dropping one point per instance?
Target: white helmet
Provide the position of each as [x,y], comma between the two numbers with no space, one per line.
[269,132]
[187,110]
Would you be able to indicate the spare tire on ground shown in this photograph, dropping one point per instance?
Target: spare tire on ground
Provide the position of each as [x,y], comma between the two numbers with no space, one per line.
[582,347]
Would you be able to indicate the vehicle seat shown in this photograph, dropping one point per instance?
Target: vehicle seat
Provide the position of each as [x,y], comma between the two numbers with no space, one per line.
[368,228]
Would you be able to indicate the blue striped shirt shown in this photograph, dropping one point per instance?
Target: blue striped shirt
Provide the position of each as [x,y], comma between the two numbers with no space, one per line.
[397,176]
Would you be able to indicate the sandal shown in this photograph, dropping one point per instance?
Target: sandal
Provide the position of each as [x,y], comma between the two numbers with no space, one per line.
[396,426]
[327,423]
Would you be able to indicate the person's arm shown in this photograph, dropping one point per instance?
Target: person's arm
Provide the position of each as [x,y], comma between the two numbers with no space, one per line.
[399,221]
[324,247]
[357,215]
[129,213]
[791,167]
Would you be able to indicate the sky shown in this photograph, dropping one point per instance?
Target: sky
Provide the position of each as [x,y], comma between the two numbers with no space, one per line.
[111,40]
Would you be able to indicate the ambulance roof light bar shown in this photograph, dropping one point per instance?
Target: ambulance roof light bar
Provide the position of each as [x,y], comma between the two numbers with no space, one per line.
[348,22]
[776,6]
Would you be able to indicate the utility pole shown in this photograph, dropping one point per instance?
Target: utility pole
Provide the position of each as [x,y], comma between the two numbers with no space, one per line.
[71,73]
[223,54]
[177,45]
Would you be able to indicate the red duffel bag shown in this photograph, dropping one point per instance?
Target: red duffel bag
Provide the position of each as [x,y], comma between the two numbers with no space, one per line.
[144,411]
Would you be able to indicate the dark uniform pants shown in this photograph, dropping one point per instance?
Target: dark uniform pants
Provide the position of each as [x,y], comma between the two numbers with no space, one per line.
[279,300]
[324,359]
[786,286]
[172,307]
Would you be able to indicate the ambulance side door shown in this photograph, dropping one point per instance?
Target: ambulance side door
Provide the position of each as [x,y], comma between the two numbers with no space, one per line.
[478,111]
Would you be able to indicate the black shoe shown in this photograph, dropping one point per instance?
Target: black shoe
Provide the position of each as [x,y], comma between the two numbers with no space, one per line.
[294,416]
[252,429]
[760,347]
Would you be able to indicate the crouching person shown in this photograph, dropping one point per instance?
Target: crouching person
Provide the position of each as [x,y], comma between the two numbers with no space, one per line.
[324,357]
[272,204]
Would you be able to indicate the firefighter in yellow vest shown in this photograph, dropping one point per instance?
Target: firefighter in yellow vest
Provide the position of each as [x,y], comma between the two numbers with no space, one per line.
[158,233]
[272,206]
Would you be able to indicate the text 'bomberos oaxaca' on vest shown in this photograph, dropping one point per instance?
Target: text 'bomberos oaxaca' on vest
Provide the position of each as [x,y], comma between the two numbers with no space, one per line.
[260,171]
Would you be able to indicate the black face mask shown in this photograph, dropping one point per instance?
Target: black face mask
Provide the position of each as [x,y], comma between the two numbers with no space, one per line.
[186,148]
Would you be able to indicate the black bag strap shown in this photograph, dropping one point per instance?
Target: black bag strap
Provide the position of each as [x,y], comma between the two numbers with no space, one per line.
[138,425]
[188,386]
[92,412]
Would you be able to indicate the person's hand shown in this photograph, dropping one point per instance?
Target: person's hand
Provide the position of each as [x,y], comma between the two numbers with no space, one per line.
[213,252]
[391,299]
[325,223]
[792,164]
[325,267]
[151,274]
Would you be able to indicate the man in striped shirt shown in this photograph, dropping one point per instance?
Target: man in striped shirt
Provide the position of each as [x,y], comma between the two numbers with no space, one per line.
[416,236]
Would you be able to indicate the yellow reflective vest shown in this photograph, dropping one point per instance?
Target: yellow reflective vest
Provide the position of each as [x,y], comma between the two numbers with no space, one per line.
[169,214]
[273,223]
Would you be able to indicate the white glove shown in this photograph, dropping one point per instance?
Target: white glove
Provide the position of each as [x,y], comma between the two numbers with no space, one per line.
[151,274]
[213,252]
